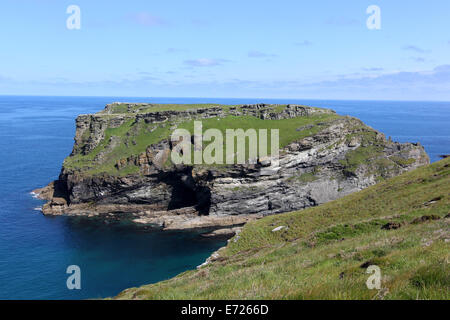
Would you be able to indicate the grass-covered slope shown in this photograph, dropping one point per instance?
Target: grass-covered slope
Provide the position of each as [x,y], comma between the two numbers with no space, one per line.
[400,225]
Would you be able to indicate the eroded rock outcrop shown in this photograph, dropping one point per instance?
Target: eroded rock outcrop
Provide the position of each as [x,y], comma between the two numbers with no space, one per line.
[112,172]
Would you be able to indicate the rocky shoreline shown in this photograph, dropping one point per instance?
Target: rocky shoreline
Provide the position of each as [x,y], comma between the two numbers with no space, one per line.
[333,159]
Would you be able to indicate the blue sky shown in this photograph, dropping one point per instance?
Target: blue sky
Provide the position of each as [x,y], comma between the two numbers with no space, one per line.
[259,49]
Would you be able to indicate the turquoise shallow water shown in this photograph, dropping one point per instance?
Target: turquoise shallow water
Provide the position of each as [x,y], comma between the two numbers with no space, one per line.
[36,134]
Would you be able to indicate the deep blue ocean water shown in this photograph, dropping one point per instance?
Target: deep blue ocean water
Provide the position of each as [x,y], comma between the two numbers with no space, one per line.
[36,134]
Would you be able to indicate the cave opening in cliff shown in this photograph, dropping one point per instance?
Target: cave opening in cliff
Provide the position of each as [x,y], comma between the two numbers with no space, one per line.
[203,196]
[186,193]
[181,197]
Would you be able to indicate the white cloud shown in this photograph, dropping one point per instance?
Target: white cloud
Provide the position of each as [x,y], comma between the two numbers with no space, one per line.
[342,21]
[303,43]
[372,69]
[412,85]
[175,50]
[147,19]
[418,59]
[415,49]
[259,54]
[205,62]
[439,77]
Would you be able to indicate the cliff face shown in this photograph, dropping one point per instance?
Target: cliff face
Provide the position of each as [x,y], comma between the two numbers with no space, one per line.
[120,165]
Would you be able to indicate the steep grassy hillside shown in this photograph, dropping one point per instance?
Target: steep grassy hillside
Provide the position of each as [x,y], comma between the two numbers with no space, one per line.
[400,225]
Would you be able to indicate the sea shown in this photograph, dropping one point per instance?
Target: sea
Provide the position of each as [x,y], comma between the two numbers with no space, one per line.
[36,134]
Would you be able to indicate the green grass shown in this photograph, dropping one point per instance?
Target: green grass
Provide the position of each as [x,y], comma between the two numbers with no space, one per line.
[152,107]
[123,108]
[287,127]
[127,133]
[323,252]
[402,162]
[303,178]
[134,138]
[371,153]
[370,148]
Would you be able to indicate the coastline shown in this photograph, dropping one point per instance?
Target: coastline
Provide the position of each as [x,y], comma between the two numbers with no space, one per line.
[75,240]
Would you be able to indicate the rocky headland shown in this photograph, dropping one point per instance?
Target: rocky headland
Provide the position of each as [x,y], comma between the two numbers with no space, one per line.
[120,165]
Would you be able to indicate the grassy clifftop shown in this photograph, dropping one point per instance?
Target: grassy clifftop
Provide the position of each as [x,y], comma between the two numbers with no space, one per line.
[124,138]
[400,225]
[124,130]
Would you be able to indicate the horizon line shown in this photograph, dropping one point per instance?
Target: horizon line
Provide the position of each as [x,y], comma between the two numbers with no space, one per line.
[187,97]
